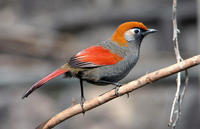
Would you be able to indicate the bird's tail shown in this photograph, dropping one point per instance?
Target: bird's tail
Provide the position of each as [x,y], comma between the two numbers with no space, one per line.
[44,80]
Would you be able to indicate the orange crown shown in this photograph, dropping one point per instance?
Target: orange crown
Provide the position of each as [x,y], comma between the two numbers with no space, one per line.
[118,35]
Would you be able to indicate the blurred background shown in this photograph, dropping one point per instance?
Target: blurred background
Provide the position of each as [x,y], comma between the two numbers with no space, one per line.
[38,36]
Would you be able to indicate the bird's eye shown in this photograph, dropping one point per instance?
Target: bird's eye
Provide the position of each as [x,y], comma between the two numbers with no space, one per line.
[136,31]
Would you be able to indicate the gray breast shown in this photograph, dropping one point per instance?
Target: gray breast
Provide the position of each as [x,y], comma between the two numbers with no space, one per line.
[118,71]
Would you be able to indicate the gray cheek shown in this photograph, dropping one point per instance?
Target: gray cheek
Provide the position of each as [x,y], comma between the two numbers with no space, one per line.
[129,36]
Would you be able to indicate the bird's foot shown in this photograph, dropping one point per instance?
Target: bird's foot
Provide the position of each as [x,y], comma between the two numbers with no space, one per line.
[116,91]
[117,88]
[117,85]
[82,104]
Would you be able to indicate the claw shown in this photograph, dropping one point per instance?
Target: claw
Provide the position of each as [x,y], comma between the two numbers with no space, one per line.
[82,105]
[116,91]
[117,85]
[117,88]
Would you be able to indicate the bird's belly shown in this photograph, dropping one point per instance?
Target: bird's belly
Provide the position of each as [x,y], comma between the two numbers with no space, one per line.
[111,73]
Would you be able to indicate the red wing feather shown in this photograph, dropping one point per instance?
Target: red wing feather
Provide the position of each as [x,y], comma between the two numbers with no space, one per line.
[94,56]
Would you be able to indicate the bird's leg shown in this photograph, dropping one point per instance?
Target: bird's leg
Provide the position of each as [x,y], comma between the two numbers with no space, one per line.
[117,88]
[82,96]
[117,85]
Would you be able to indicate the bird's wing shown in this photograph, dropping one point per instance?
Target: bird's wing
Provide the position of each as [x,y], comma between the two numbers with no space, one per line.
[94,56]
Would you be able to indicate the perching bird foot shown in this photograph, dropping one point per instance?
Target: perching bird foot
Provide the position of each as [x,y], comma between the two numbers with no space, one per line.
[117,88]
[82,104]
[117,85]
[116,91]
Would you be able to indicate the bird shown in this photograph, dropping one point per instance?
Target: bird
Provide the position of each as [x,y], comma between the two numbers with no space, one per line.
[106,62]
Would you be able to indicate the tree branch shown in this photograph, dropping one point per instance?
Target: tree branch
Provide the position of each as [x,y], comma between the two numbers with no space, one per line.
[176,105]
[131,86]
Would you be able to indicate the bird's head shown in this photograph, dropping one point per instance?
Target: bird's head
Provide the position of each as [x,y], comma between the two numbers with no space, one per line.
[130,32]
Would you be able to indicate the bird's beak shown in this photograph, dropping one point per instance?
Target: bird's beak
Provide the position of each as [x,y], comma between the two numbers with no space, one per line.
[149,31]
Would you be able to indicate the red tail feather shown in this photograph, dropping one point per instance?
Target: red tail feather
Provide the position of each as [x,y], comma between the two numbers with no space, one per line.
[44,80]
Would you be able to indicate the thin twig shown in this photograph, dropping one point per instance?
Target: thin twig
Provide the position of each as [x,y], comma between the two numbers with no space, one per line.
[175,42]
[131,86]
[176,106]
[186,84]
